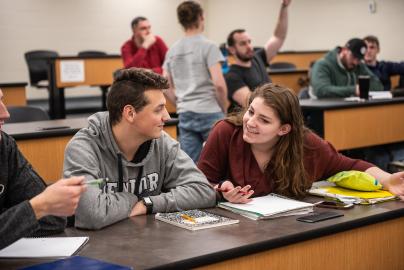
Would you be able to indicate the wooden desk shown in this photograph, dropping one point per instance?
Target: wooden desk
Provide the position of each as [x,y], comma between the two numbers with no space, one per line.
[349,125]
[366,237]
[289,78]
[44,149]
[14,93]
[98,71]
[301,59]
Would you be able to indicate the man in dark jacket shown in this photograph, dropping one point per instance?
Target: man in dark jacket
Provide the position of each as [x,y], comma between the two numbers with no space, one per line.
[382,69]
[26,204]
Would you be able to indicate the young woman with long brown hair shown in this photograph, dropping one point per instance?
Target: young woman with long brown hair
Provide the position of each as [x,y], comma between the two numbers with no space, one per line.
[268,149]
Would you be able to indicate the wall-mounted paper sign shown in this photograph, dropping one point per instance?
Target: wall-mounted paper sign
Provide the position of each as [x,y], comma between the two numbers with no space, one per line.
[71,71]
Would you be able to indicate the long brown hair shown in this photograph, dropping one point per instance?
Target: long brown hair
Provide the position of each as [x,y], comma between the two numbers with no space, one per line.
[286,164]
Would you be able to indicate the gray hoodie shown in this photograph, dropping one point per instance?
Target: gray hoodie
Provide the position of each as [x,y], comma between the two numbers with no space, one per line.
[168,175]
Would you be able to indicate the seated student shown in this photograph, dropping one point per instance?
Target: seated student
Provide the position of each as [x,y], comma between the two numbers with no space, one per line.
[143,49]
[382,69]
[336,74]
[268,149]
[27,206]
[249,70]
[146,170]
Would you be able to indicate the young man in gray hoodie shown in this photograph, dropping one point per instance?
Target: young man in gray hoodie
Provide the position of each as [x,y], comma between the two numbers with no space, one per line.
[145,168]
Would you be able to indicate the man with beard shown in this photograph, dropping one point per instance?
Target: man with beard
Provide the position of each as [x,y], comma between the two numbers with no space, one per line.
[336,75]
[249,69]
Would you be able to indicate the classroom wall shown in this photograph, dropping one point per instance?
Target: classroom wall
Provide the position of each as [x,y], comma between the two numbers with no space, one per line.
[313,24]
[69,26]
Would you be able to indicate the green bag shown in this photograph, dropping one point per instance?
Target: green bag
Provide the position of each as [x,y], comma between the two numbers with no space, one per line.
[355,180]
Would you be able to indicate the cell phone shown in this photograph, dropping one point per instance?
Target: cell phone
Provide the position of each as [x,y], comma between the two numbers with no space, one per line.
[316,217]
[335,205]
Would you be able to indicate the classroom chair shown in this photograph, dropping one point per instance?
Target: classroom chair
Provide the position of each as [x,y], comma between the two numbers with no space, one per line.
[103,88]
[19,114]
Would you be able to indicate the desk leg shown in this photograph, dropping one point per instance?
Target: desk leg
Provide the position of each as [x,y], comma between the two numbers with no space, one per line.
[56,95]
[314,119]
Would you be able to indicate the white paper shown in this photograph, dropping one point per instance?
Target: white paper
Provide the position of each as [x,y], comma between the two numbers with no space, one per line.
[380,95]
[43,247]
[71,71]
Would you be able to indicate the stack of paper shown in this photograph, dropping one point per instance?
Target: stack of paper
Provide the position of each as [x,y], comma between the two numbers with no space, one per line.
[330,190]
[270,206]
[43,247]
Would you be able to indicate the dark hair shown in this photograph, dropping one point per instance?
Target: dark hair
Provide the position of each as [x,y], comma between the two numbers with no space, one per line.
[137,20]
[286,165]
[188,14]
[128,89]
[230,37]
[372,39]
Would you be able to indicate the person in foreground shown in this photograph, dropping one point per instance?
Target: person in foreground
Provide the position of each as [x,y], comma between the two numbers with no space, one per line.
[268,149]
[146,170]
[27,206]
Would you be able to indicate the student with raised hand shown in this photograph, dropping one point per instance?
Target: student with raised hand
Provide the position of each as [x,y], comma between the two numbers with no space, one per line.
[267,149]
[249,70]
[27,206]
[145,169]
[197,85]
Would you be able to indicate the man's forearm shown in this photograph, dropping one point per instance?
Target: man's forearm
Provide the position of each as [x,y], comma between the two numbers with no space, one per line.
[282,24]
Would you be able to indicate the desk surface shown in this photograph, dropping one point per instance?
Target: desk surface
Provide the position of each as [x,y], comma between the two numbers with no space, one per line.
[329,104]
[52,128]
[13,84]
[144,243]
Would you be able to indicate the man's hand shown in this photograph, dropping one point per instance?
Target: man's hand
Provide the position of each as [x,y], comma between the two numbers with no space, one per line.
[286,3]
[60,198]
[138,209]
[148,41]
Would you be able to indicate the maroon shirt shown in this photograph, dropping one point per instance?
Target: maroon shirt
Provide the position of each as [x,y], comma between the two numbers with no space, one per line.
[227,156]
[152,58]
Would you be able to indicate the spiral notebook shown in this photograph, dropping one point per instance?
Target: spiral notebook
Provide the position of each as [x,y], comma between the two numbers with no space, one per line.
[195,219]
[46,247]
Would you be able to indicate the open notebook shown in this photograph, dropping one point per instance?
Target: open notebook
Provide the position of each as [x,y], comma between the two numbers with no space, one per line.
[43,247]
[269,206]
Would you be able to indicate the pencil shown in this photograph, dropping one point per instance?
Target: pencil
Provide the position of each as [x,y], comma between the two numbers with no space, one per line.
[184,216]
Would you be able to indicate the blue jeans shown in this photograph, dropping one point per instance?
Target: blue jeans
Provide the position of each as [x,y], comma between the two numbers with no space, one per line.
[194,129]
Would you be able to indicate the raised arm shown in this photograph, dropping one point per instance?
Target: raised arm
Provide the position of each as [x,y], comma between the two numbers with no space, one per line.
[275,42]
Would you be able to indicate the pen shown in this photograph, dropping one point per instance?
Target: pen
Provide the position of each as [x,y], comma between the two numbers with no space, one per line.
[225,190]
[95,182]
[184,216]
[54,128]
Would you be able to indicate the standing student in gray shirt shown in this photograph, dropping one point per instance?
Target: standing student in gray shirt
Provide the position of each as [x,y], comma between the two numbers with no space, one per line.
[197,85]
